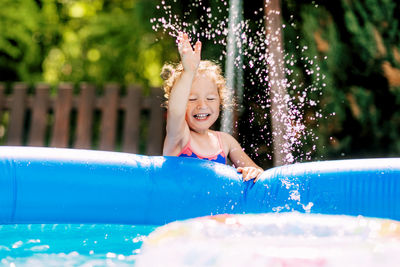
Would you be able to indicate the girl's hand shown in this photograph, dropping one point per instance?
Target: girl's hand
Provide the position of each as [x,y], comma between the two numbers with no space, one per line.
[249,173]
[190,57]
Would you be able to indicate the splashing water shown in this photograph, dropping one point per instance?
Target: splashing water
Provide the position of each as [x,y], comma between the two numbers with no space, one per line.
[296,105]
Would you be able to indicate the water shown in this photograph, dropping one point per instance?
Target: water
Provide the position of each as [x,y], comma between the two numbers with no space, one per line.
[260,53]
[71,244]
[283,99]
[284,239]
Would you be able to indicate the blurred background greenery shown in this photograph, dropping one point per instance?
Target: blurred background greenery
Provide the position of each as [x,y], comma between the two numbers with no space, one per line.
[91,40]
[355,45]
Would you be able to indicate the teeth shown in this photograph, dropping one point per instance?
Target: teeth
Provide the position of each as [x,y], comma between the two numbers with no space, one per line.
[201,116]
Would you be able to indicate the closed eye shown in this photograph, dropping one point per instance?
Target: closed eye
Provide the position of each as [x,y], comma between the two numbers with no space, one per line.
[211,99]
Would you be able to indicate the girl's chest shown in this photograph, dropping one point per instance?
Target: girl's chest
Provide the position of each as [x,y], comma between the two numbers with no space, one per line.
[205,146]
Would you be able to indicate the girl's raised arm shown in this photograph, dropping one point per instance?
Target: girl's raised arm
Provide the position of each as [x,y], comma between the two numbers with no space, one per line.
[177,128]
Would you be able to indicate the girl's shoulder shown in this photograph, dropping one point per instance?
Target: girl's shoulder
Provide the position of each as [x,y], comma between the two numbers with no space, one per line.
[220,134]
[224,135]
[227,139]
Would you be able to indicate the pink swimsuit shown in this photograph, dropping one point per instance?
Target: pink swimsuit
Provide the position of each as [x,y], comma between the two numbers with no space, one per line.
[219,156]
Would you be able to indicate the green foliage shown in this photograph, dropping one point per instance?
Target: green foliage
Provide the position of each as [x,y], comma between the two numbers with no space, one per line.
[88,40]
[20,49]
[360,102]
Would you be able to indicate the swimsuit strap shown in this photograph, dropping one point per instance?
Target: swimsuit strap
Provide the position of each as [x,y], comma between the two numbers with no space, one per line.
[220,141]
[187,149]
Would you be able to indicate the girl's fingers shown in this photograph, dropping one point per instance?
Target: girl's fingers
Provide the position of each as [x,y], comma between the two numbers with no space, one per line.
[184,48]
[184,43]
[244,172]
[249,173]
[197,47]
[180,38]
[259,173]
[184,38]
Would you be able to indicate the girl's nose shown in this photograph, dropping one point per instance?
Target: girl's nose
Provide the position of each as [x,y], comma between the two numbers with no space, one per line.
[201,104]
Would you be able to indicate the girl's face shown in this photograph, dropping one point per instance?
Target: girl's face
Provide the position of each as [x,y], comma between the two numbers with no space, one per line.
[203,105]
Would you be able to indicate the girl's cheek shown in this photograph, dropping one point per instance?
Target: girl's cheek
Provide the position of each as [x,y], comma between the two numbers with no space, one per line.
[189,106]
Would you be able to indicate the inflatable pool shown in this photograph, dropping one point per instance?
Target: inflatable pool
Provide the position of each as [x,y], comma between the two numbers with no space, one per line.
[84,189]
[50,185]
[274,239]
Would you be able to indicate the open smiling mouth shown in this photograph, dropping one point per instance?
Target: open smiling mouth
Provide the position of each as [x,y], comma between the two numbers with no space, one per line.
[202,116]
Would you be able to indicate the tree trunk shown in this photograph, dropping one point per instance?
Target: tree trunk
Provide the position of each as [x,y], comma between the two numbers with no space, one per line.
[277,80]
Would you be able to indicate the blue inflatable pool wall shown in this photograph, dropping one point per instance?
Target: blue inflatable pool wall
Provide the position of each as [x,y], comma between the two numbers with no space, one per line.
[50,185]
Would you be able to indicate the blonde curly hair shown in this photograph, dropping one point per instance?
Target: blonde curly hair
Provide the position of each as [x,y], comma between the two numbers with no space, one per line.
[170,73]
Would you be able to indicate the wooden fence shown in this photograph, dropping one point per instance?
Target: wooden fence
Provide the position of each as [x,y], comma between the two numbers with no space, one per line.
[82,118]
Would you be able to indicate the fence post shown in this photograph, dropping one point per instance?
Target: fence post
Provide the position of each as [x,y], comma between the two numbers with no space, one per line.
[86,102]
[2,104]
[109,110]
[62,114]
[156,124]
[40,108]
[17,115]
[132,106]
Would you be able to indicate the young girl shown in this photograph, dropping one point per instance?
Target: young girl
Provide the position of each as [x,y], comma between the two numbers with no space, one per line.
[195,91]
